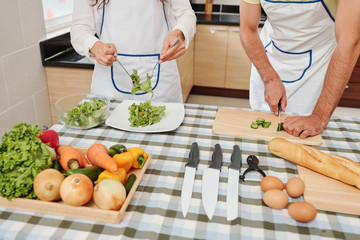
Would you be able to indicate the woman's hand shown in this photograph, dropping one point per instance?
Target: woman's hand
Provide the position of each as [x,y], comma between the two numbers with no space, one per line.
[105,53]
[175,51]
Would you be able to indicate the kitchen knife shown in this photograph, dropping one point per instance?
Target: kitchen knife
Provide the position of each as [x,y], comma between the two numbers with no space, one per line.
[190,169]
[279,128]
[233,184]
[210,182]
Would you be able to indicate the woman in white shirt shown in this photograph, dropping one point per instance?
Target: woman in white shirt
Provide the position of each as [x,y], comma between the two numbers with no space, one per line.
[139,34]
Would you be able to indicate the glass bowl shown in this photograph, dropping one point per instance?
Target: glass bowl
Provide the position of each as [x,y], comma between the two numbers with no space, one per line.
[82,111]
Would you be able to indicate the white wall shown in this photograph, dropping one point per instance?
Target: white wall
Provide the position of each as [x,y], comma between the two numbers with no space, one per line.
[23,90]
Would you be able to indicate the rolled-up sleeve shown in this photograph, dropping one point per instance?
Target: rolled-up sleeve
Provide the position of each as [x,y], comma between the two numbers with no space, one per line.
[184,19]
[83,27]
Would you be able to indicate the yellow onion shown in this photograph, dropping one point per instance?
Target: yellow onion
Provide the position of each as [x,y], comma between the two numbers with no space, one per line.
[47,185]
[109,194]
[76,190]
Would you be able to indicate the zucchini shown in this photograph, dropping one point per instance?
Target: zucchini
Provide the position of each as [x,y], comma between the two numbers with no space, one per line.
[129,183]
[92,172]
[56,165]
[254,125]
[266,124]
[117,148]
[260,121]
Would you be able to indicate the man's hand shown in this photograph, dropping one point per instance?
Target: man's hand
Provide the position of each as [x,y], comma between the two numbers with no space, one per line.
[304,126]
[105,53]
[274,93]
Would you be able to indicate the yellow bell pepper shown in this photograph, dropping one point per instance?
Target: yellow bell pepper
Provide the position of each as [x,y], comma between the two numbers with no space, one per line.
[140,157]
[124,160]
[119,174]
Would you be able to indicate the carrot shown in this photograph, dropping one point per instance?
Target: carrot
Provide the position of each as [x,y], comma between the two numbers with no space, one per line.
[70,158]
[98,155]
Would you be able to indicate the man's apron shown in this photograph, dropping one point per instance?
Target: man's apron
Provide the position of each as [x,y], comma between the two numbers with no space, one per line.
[299,39]
[138,29]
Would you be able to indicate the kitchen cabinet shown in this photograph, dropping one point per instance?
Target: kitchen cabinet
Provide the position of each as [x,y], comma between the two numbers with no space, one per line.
[210,55]
[62,82]
[238,64]
[220,60]
[351,96]
[185,65]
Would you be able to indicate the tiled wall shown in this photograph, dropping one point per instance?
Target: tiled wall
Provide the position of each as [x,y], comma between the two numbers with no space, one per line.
[23,90]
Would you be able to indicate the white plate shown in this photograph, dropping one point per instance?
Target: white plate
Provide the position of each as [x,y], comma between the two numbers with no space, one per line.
[174,115]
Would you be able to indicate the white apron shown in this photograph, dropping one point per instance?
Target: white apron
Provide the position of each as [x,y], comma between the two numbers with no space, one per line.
[138,29]
[299,39]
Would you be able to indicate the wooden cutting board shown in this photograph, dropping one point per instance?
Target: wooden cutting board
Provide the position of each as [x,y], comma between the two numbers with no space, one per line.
[236,122]
[329,194]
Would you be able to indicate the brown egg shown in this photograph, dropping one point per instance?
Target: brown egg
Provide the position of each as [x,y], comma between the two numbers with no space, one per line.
[270,182]
[275,198]
[302,211]
[295,187]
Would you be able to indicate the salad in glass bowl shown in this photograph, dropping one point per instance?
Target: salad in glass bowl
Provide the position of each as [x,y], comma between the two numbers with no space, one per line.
[82,111]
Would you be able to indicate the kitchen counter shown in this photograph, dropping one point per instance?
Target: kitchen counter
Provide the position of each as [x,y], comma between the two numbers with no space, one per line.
[58,52]
[155,210]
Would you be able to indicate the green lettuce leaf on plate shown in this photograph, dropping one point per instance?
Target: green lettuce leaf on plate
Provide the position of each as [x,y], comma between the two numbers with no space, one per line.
[145,114]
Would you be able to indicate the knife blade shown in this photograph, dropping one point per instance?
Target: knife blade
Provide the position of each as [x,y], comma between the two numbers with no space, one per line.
[279,105]
[233,184]
[190,170]
[210,182]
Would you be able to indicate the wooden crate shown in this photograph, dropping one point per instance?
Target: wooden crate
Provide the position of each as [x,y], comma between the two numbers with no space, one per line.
[88,212]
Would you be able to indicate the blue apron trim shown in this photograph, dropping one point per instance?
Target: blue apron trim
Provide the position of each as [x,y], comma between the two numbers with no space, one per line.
[140,55]
[167,24]
[305,2]
[102,18]
[328,11]
[296,53]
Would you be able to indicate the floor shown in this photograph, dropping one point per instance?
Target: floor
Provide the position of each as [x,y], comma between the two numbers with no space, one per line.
[244,103]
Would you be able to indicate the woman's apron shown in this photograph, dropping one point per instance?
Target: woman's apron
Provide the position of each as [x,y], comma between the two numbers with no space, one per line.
[299,39]
[138,29]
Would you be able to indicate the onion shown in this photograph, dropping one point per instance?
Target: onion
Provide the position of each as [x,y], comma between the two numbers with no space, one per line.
[76,190]
[47,185]
[109,194]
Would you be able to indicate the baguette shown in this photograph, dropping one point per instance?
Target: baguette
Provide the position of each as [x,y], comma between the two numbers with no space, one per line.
[330,165]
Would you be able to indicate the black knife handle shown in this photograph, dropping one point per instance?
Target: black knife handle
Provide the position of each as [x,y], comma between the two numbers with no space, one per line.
[193,156]
[236,158]
[217,158]
[279,105]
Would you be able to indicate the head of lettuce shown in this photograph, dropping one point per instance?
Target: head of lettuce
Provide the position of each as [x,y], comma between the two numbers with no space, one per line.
[22,156]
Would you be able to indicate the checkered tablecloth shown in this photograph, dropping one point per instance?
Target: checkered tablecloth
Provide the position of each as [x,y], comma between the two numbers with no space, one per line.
[155,210]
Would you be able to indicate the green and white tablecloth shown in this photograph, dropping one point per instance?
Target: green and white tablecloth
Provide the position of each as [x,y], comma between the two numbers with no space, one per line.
[155,210]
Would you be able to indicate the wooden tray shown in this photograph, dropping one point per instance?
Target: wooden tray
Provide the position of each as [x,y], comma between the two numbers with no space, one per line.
[88,212]
[329,194]
[236,122]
